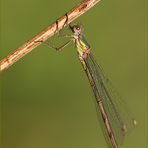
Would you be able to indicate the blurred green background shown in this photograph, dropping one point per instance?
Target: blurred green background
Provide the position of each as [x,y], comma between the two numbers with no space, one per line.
[46,100]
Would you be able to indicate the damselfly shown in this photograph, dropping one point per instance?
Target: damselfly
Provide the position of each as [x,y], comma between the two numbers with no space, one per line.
[115,119]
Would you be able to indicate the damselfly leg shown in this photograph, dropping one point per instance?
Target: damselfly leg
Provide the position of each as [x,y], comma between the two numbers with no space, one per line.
[60,47]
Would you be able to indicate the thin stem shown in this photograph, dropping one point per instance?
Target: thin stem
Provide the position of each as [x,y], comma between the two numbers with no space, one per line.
[28,46]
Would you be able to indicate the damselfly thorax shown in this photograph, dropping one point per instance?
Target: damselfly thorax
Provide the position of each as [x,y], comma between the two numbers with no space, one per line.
[81,43]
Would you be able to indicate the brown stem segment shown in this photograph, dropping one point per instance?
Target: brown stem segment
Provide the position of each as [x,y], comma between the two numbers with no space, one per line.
[28,46]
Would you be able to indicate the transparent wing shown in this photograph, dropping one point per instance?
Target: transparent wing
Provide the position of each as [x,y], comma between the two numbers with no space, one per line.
[119,116]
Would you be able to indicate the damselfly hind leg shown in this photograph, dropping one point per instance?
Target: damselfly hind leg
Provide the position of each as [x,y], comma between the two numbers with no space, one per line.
[60,34]
[60,47]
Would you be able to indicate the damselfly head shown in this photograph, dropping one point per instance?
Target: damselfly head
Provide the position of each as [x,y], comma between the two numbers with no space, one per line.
[77,29]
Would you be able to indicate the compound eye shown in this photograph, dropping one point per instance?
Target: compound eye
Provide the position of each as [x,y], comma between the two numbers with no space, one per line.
[78,27]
